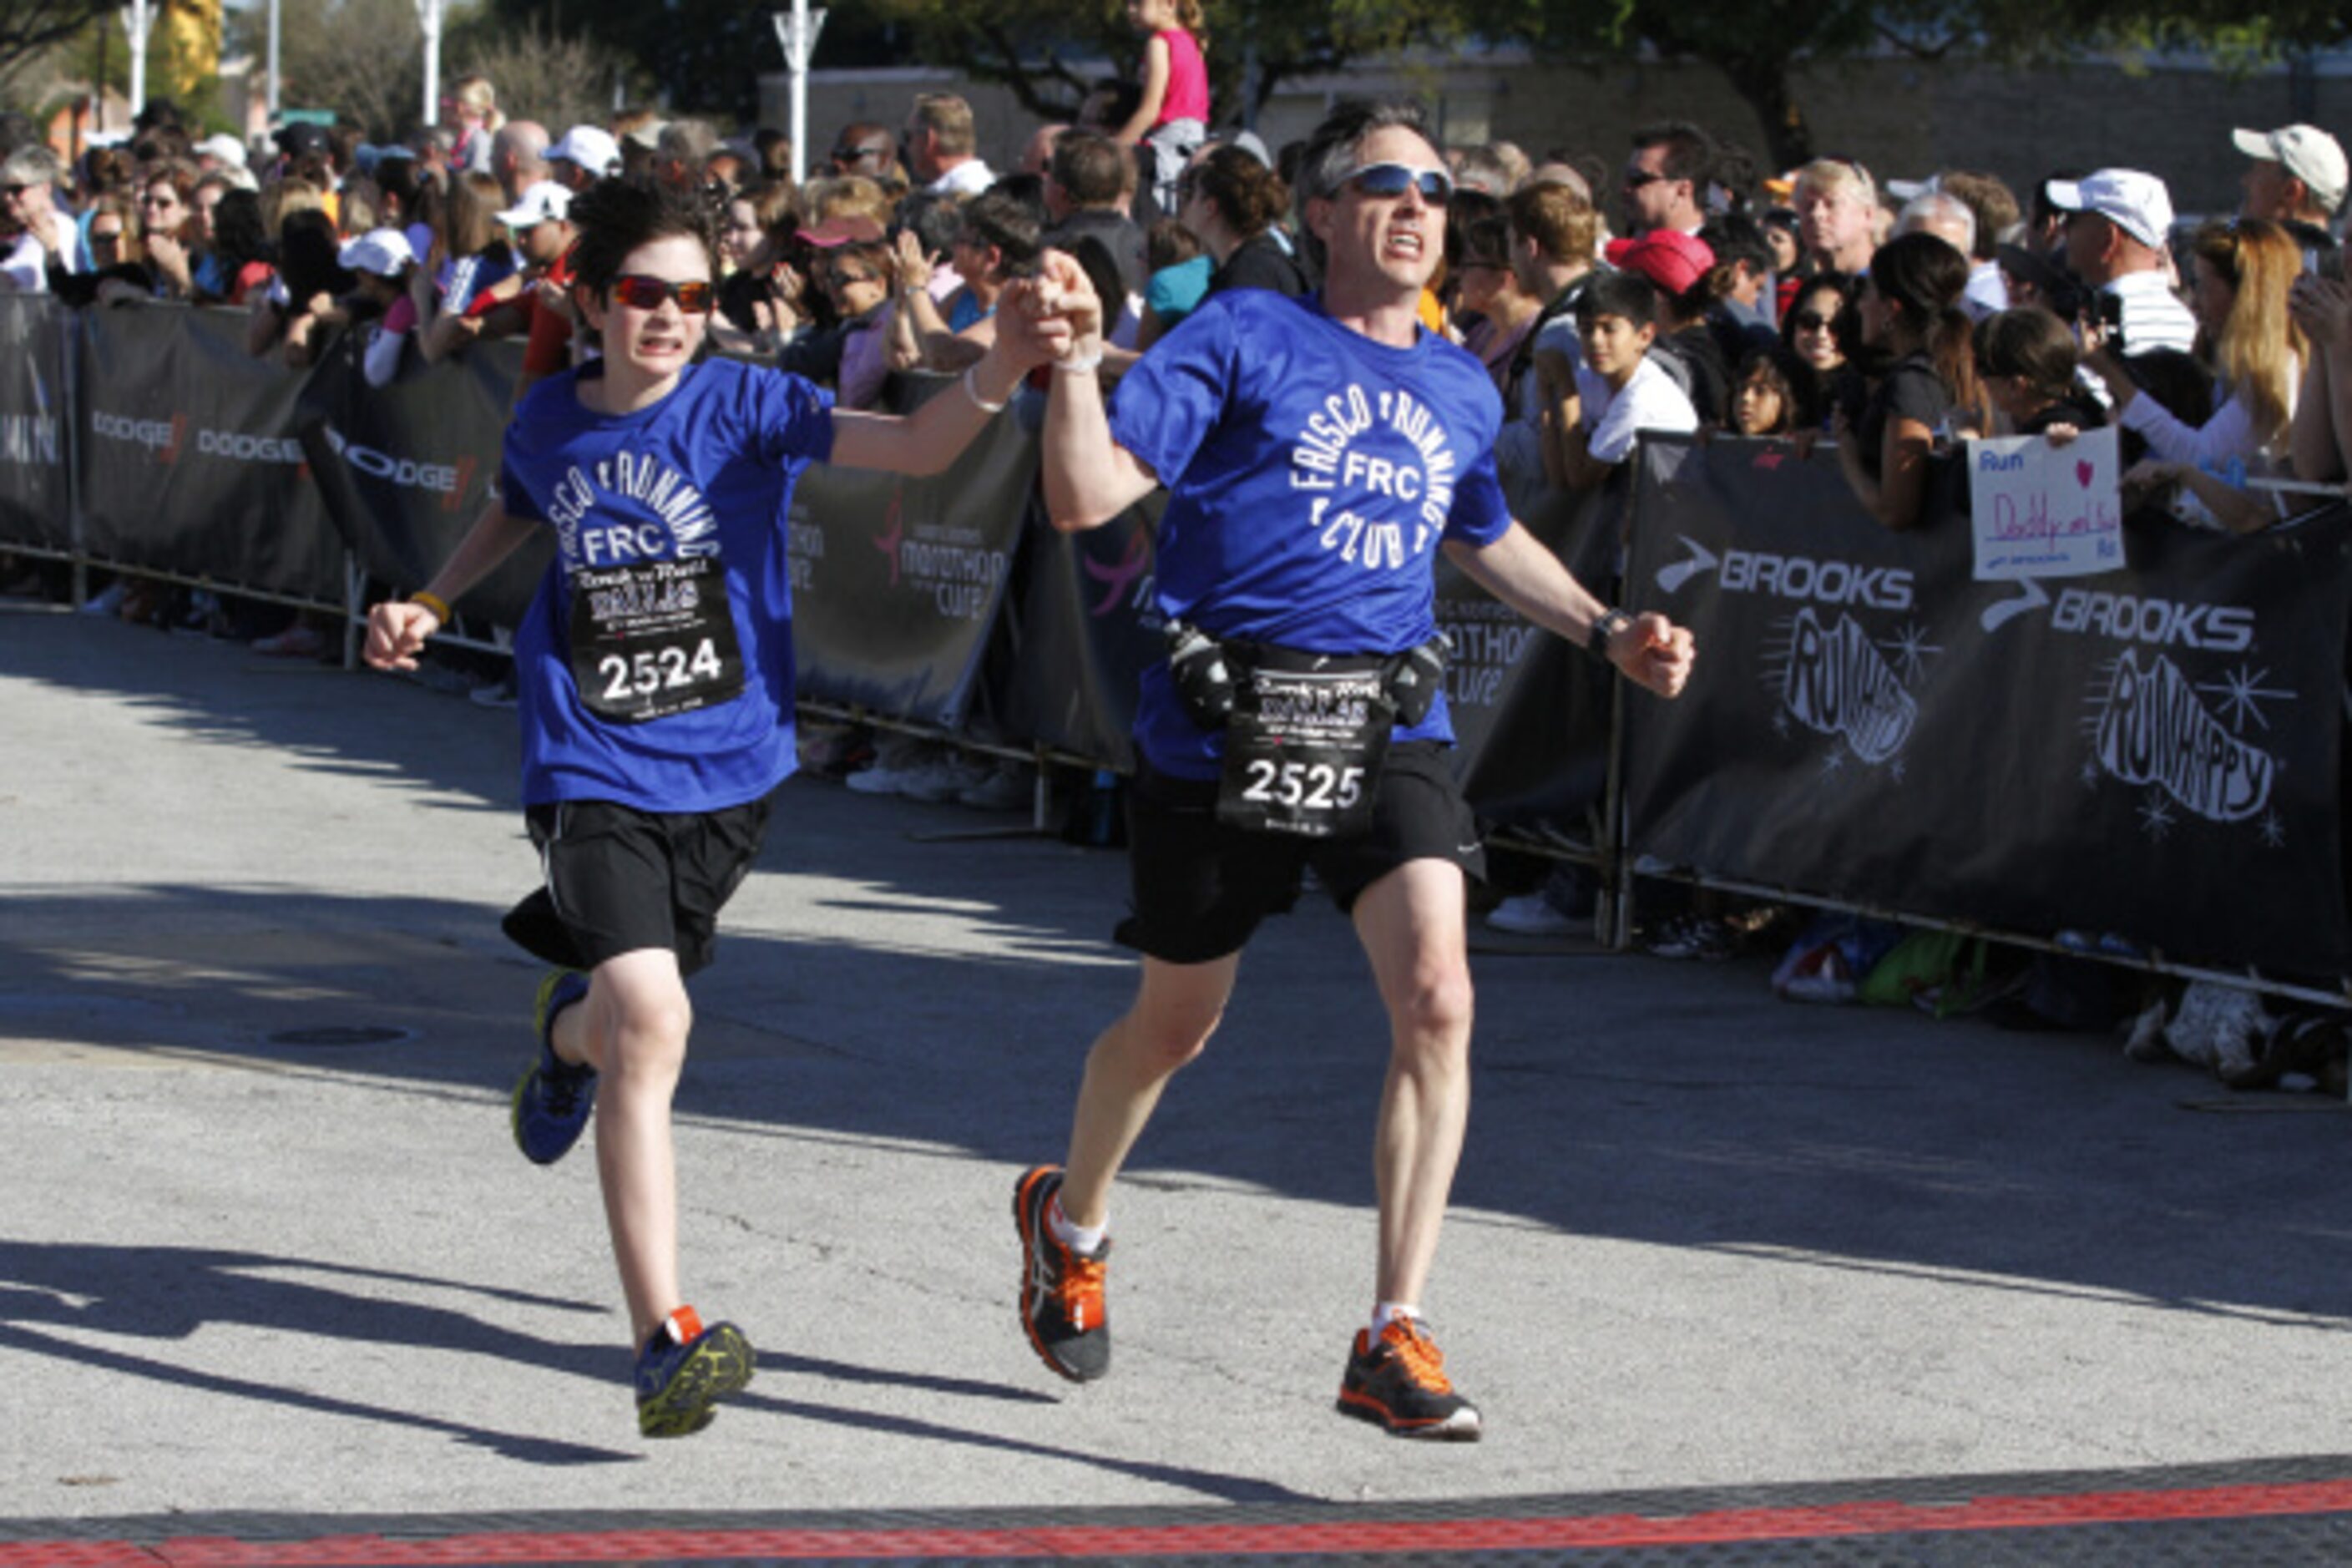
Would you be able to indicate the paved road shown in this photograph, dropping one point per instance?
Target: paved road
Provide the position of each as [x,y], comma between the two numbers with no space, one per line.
[1704,1239]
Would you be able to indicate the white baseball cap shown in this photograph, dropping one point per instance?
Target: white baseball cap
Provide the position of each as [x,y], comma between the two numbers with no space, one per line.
[545,201]
[383,251]
[590,146]
[2306,152]
[225,147]
[2136,202]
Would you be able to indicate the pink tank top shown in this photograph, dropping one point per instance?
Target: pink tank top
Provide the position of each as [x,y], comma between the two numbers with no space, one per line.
[1187,96]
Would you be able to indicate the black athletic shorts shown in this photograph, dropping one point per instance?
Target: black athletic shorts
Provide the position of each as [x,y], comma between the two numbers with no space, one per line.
[1200,887]
[619,880]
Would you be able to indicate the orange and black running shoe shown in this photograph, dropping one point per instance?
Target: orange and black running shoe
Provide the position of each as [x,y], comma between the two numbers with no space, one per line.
[1061,1290]
[1398,1382]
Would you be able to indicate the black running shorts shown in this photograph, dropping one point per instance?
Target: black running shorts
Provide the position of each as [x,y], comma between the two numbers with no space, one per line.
[1201,888]
[620,880]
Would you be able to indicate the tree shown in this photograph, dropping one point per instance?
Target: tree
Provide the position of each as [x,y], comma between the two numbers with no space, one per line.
[30,28]
[705,56]
[558,81]
[364,59]
[1759,48]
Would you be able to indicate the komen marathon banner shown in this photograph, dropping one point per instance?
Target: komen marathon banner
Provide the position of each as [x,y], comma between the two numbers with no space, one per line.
[896,582]
[2150,752]
[36,495]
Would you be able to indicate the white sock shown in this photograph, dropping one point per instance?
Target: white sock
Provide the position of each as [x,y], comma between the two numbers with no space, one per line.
[1387,1312]
[1085,1238]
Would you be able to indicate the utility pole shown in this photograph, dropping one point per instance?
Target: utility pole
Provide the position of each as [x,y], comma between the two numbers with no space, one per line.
[797,30]
[428,16]
[138,21]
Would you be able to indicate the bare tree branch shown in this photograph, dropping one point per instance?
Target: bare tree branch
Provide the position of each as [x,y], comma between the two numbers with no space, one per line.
[29,26]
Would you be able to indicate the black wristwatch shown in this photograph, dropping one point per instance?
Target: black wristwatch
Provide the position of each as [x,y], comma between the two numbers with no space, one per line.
[1605,624]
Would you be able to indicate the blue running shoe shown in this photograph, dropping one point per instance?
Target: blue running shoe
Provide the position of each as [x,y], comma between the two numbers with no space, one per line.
[685,1370]
[552,1102]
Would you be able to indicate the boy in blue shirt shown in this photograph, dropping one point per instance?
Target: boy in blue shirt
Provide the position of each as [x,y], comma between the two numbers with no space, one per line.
[655,675]
[1317,453]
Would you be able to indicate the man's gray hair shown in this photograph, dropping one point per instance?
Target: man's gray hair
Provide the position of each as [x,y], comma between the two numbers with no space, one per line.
[1333,153]
[1947,218]
[31,165]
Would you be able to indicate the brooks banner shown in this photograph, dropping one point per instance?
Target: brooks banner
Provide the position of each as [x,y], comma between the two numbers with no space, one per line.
[2150,752]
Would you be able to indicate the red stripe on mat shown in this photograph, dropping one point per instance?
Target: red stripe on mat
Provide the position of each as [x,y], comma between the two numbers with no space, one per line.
[1211,1540]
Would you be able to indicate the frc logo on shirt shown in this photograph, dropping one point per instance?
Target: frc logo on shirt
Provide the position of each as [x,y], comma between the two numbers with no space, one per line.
[1379,506]
[629,509]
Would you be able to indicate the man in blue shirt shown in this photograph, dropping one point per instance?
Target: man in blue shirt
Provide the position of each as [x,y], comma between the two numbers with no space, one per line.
[1317,453]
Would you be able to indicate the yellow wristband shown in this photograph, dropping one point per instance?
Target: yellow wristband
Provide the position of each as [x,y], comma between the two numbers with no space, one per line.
[433,602]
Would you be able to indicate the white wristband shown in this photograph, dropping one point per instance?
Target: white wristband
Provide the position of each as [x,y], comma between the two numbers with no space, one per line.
[1077,363]
[972,390]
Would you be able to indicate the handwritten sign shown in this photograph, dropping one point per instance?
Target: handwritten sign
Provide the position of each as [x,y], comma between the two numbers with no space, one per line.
[2041,511]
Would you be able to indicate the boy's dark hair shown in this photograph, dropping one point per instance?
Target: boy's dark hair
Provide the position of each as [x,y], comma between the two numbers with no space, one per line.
[1626,294]
[616,215]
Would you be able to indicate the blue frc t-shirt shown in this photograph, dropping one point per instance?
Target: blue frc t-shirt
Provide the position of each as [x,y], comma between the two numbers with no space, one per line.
[701,481]
[1312,474]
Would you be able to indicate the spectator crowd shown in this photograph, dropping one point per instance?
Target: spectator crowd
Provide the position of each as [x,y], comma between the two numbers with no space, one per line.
[1610,293]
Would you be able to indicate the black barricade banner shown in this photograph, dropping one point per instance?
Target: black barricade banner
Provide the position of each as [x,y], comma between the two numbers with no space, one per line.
[35,496]
[897,581]
[405,468]
[189,458]
[2151,752]
[1531,711]
[1083,631]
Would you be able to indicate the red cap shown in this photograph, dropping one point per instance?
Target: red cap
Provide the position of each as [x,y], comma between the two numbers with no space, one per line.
[1668,257]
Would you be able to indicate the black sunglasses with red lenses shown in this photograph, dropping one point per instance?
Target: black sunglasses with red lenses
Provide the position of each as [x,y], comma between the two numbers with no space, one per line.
[639,292]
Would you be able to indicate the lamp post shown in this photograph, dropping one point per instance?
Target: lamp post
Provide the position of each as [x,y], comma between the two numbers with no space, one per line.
[797,30]
[273,62]
[138,21]
[428,17]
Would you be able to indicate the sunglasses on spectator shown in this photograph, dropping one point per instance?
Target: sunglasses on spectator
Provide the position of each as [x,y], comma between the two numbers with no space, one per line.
[1637,178]
[13,190]
[639,292]
[856,154]
[1389,180]
[843,280]
[1812,321]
